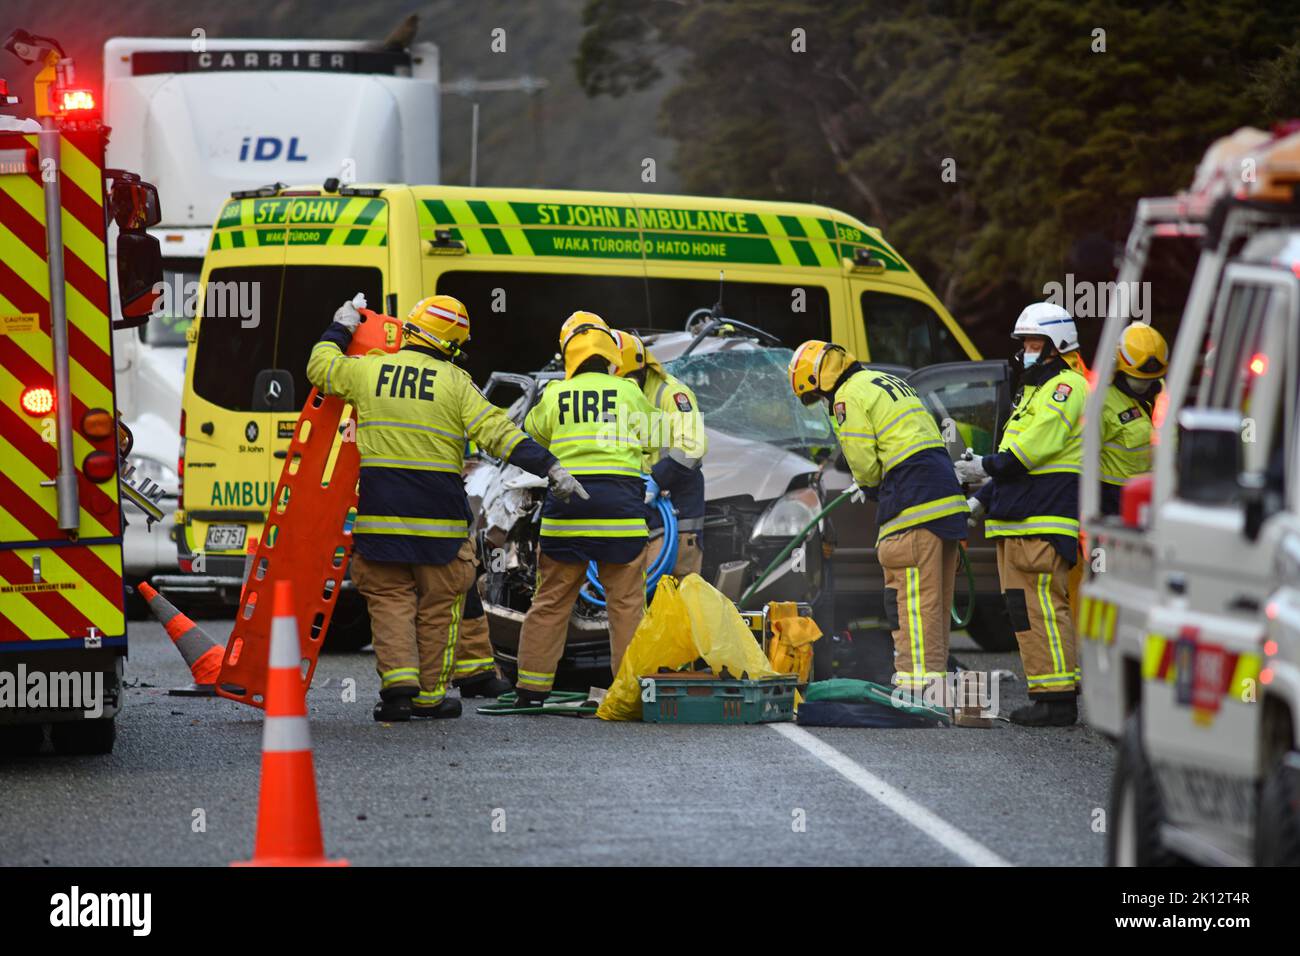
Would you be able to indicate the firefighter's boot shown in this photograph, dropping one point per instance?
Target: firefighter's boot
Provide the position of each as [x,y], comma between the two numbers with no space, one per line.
[395,704]
[1059,712]
[447,708]
[483,685]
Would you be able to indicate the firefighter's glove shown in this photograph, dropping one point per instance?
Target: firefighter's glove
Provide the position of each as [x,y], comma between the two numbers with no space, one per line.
[977,511]
[347,314]
[564,486]
[651,489]
[856,494]
[970,472]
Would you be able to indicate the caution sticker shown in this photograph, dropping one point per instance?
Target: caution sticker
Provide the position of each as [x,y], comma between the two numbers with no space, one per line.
[38,586]
[17,323]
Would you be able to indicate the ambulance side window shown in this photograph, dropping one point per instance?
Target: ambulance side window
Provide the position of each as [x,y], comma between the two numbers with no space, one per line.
[903,331]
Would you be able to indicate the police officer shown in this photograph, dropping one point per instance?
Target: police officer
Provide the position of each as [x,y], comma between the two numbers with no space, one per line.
[676,466]
[897,457]
[590,422]
[413,560]
[1032,507]
[1141,360]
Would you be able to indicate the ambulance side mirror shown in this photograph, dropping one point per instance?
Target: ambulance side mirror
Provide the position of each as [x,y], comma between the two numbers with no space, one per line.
[1209,455]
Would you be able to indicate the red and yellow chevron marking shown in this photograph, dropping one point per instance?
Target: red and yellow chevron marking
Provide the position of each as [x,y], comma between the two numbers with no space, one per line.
[1097,619]
[81,585]
[79,594]
[1238,675]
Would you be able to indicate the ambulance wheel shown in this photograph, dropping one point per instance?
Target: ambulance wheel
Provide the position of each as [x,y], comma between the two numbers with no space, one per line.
[1136,811]
[989,626]
[350,626]
[21,740]
[1277,826]
[84,737]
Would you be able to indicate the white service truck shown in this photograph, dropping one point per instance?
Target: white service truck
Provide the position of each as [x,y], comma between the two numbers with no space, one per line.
[203,118]
[1189,623]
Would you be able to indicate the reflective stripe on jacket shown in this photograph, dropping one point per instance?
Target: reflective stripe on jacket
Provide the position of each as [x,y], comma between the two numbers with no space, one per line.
[1045,435]
[892,443]
[414,412]
[595,424]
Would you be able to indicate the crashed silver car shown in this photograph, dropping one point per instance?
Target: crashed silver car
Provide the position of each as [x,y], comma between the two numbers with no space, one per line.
[771,467]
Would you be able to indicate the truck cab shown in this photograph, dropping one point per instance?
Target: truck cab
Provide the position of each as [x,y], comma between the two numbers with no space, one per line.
[1184,588]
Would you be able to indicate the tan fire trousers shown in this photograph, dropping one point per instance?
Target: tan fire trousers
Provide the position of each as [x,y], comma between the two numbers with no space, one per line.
[415,620]
[474,649]
[920,575]
[1035,586]
[546,625]
[690,556]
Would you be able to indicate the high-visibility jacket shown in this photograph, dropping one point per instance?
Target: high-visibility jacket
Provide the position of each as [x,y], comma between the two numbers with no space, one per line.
[1035,487]
[414,411]
[893,445]
[1125,444]
[676,463]
[596,425]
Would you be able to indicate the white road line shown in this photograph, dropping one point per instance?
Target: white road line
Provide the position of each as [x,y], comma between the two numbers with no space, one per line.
[936,828]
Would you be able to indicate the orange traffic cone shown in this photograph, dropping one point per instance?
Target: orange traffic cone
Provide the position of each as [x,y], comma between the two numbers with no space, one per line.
[288,818]
[201,653]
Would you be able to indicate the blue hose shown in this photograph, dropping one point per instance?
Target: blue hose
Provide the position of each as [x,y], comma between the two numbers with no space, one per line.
[663,563]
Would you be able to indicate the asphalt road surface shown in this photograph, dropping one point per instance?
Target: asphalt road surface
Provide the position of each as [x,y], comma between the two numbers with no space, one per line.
[181,787]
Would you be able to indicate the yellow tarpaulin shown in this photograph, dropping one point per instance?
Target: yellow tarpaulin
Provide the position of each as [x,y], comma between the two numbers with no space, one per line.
[684,622]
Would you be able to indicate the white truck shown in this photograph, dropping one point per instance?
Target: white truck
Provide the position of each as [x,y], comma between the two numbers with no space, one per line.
[1189,624]
[202,118]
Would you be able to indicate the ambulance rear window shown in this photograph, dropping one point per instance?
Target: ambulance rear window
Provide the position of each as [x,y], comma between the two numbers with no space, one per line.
[257,318]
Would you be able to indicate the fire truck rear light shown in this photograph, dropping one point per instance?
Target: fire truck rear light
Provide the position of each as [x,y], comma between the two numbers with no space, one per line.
[97,424]
[1270,648]
[99,466]
[37,400]
[18,162]
[75,101]
[1259,363]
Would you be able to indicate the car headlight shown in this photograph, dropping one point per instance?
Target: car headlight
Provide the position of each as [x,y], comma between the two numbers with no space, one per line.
[788,515]
[155,471]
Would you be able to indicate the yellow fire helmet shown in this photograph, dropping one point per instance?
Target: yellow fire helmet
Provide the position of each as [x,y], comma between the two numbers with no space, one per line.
[579,320]
[589,340]
[1142,353]
[440,320]
[817,366]
[632,352]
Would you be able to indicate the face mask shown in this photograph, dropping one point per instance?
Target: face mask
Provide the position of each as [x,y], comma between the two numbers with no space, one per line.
[1140,385]
[1030,358]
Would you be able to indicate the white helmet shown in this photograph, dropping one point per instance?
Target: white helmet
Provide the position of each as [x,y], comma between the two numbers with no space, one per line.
[1050,320]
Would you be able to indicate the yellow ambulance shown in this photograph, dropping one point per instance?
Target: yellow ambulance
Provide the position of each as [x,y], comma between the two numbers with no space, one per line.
[283,259]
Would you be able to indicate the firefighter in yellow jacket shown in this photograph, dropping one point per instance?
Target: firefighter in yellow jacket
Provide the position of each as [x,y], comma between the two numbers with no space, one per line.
[1141,360]
[592,421]
[413,561]
[676,466]
[897,457]
[1031,499]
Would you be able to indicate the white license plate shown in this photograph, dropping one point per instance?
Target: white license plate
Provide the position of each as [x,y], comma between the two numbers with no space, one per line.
[225,537]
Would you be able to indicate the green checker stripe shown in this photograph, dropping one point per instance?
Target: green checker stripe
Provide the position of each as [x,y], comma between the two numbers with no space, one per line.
[493,227]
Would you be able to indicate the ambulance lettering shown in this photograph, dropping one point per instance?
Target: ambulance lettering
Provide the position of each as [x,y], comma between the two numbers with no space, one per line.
[245,494]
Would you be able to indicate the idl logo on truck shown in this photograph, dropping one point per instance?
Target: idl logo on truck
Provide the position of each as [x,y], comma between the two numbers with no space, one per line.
[267,148]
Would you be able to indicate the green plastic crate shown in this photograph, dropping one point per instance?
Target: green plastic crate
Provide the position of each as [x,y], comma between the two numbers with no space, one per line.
[702,698]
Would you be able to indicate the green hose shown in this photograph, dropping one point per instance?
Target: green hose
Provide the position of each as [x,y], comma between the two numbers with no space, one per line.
[958,621]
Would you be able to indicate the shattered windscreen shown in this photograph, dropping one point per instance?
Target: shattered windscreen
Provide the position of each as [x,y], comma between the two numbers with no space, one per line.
[746,393]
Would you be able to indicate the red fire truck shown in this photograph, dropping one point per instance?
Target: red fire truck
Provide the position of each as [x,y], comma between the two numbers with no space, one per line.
[62,621]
